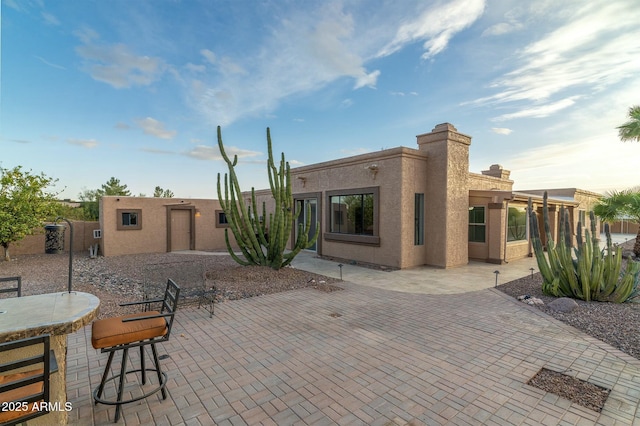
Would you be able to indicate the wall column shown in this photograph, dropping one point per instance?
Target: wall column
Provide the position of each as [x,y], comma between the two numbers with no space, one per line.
[447,197]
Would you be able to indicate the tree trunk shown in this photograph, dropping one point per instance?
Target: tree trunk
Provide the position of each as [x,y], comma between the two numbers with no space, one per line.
[636,247]
[6,253]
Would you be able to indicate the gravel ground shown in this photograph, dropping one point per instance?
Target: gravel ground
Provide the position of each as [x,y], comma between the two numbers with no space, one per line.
[614,323]
[128,278]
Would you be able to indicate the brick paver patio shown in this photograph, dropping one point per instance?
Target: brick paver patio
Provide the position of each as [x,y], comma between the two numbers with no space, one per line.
[365,356]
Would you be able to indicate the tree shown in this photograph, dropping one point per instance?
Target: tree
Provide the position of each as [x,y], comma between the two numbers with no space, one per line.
[89,203]
[621,205]
[90,198]
[24,204]
[114,187]
[262,238]
[630,131]
[162,193]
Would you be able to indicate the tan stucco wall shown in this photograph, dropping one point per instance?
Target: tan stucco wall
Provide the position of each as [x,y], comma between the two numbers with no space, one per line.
[152,238]
[485,183]
[34,244]
[448,189]
[354,173]
[397,174]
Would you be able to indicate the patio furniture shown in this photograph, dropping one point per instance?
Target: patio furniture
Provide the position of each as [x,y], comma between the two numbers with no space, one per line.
[207,295]
[135,330]
[22,391]
[54,314]
[17,288]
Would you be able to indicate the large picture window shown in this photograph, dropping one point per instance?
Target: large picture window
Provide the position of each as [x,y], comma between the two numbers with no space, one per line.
[477,225]
[353,216]
[517,224]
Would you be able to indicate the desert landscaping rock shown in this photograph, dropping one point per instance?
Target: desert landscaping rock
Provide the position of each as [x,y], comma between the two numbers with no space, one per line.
[563,304]
[121,279]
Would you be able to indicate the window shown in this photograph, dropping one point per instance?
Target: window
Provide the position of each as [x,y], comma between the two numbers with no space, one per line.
[477,226]
[517,224]
[353,216]
[582,217]
[129,219]
[221,219]
[418,238]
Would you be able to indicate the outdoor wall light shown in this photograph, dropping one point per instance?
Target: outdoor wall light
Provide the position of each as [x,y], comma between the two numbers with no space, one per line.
[304,180]
[374,169]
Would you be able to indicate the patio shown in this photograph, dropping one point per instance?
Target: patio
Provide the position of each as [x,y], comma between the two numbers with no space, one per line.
[365,355]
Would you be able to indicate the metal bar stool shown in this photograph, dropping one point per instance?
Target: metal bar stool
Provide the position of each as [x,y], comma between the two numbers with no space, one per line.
[130,331]
[17,288]
[24,383]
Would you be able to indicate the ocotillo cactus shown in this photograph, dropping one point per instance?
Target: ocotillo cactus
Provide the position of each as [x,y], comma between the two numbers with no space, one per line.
[592,274]
[262,242]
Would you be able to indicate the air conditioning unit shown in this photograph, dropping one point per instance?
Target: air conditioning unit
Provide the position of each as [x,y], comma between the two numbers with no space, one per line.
[97,233]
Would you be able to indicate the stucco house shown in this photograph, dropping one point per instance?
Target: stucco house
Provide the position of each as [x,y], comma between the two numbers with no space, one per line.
[131,225]
[400,207]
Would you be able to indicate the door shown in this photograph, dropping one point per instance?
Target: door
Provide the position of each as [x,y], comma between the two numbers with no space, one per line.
[308,207]
[180,230]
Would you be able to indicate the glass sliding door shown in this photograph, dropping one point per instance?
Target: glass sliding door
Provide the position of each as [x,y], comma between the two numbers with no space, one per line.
[308,208]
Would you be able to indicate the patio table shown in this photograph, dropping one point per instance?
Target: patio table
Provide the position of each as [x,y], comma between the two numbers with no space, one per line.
[57,314]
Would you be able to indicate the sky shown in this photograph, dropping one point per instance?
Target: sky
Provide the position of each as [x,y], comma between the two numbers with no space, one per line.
[136,89]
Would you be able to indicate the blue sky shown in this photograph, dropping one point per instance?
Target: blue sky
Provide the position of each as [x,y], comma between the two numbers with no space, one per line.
[135,89]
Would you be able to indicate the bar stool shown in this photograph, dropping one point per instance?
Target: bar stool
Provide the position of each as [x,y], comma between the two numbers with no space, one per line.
[130,331]
[24,383]
[18,286]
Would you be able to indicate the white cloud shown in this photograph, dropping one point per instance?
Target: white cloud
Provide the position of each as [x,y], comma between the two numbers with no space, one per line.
[302,53]
[435,26]
[86,143]
[153,127]
[115,64]
[501,130]
[195,68]
[544,110]
[502,28]
[86,34]
[368,80]
[50,19]
[596,47]
[44,61]
[157,151]
[206,152]
[209,56]
[347,103]
[308,48]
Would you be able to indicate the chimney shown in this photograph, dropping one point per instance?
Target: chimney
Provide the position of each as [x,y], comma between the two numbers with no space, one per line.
[497,171]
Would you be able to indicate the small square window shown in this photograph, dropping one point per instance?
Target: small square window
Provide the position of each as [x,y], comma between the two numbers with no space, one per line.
[221,219]
[129,219]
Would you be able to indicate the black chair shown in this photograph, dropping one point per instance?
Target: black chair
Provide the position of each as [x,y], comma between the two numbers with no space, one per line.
[135,330]
[25,382]
[17,289]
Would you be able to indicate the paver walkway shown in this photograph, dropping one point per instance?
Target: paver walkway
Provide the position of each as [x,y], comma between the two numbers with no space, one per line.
[362,356]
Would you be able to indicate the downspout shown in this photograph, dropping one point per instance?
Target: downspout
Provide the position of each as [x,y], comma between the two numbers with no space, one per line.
[506,229]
